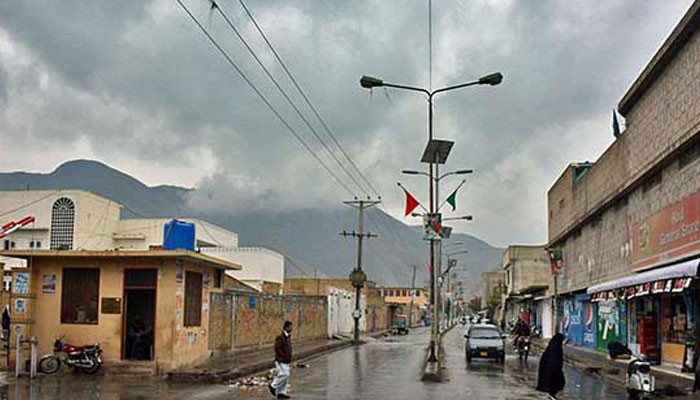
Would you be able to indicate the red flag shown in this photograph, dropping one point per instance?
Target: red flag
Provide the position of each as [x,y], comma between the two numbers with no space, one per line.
[411,203]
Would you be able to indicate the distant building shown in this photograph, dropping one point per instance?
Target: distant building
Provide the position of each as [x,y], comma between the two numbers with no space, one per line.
[263,268]
[401,298]
[529,285]
[494,286]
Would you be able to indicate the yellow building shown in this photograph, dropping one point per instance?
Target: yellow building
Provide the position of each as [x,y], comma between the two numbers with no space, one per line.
[100,296]
[399,299]
[402,295]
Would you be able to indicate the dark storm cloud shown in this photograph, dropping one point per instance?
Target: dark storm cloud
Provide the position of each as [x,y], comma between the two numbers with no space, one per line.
[136,80]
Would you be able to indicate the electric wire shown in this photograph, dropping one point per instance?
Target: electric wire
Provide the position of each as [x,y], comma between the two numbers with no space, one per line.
[25,205]
[215,5]
[262,97]
[306,98]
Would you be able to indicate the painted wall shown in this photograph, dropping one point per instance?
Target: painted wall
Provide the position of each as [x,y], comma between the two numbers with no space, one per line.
[259,318]
[611,323]
[573,320]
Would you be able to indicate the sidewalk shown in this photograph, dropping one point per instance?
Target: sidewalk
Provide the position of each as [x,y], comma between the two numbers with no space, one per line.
[247,362]
[614,370]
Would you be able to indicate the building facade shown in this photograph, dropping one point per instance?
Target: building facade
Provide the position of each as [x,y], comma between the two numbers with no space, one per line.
[400,298]
[108,297]
[625,229]
[80,220]
[264,268]
[528,287]
[494,285]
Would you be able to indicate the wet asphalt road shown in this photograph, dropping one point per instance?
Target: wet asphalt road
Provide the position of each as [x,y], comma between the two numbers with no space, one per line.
[382,369]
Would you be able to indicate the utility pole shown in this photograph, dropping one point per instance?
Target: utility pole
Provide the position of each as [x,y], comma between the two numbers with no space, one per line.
[357,276]
[413,289]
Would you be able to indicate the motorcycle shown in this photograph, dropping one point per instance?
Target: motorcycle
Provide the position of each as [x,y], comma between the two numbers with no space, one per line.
[639,381]
[84,358]
[523,346]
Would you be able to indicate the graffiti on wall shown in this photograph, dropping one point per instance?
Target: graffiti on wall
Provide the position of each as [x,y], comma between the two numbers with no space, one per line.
[609,327]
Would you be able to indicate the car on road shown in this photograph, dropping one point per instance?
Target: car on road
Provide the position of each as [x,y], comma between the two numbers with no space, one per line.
[485,341]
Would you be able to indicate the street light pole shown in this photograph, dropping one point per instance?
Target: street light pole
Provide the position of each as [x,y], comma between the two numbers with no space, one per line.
[412,294]
[371,82]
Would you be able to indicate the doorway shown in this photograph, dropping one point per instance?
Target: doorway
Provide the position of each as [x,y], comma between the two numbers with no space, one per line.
[139,314]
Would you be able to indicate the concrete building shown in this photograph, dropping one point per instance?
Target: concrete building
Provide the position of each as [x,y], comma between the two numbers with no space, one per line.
[80,220]
[399,298]
[263,268]
[529,286]
[97,296]
[625,228]
[494,284]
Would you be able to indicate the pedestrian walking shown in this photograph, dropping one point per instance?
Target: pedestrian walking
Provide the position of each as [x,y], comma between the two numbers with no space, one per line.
[550,377]
[283,360]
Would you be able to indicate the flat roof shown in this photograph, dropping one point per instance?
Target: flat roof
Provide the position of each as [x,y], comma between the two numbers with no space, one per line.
[187,255]
[668,50]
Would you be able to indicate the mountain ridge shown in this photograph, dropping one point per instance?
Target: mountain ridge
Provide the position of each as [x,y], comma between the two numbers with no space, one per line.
[320,251]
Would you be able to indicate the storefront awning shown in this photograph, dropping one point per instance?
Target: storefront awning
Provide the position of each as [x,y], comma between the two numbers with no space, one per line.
[673,278]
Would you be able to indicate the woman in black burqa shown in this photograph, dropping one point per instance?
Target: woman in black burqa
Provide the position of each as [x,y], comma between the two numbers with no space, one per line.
[550,377]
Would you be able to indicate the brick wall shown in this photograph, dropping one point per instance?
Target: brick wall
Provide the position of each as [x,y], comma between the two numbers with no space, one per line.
[259,318]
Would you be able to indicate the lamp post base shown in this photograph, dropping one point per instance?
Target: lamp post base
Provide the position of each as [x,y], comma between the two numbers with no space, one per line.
[432,356]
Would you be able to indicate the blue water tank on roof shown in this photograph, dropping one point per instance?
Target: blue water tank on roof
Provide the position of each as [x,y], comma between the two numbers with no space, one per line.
[178,235]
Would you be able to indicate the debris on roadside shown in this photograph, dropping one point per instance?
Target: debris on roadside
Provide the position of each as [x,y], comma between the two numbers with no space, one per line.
[254,381]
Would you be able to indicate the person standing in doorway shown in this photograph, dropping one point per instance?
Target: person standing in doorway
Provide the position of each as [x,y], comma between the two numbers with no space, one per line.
[283,361]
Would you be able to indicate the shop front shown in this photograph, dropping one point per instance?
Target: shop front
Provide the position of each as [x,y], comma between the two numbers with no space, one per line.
[652,312]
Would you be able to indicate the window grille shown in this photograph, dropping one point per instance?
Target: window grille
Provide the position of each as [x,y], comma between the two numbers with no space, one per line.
[62,222]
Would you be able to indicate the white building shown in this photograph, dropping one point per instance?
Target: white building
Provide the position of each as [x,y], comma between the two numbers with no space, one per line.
[80,220]
[260,265]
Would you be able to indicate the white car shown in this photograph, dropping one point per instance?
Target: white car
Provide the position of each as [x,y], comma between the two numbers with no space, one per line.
[485,341]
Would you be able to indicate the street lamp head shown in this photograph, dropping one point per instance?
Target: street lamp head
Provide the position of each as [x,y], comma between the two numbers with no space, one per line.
[369,82]
[468,217]
[464,171]
[410,172]
[491,79]
[415,214]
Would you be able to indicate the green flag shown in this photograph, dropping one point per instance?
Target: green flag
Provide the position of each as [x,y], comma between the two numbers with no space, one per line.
[452,200]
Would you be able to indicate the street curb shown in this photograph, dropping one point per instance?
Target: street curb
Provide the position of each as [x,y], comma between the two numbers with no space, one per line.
[254,368]
[433,370]
[250,369]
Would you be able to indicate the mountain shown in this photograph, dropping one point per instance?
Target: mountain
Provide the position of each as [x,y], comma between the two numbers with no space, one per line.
[309,238]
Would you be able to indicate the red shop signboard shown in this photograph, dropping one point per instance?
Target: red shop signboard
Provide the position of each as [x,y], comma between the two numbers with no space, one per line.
[669,234]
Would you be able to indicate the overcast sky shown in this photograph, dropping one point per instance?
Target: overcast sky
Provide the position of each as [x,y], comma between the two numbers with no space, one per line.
[134,84]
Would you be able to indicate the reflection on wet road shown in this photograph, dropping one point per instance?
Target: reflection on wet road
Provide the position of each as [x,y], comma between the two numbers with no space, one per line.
[382,369]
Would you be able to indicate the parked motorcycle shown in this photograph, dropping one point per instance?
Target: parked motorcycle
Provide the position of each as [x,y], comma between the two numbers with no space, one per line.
[639,381]
[84,358]
[523,346]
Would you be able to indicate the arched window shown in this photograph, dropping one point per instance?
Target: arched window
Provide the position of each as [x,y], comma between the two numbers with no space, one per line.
[62,221]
